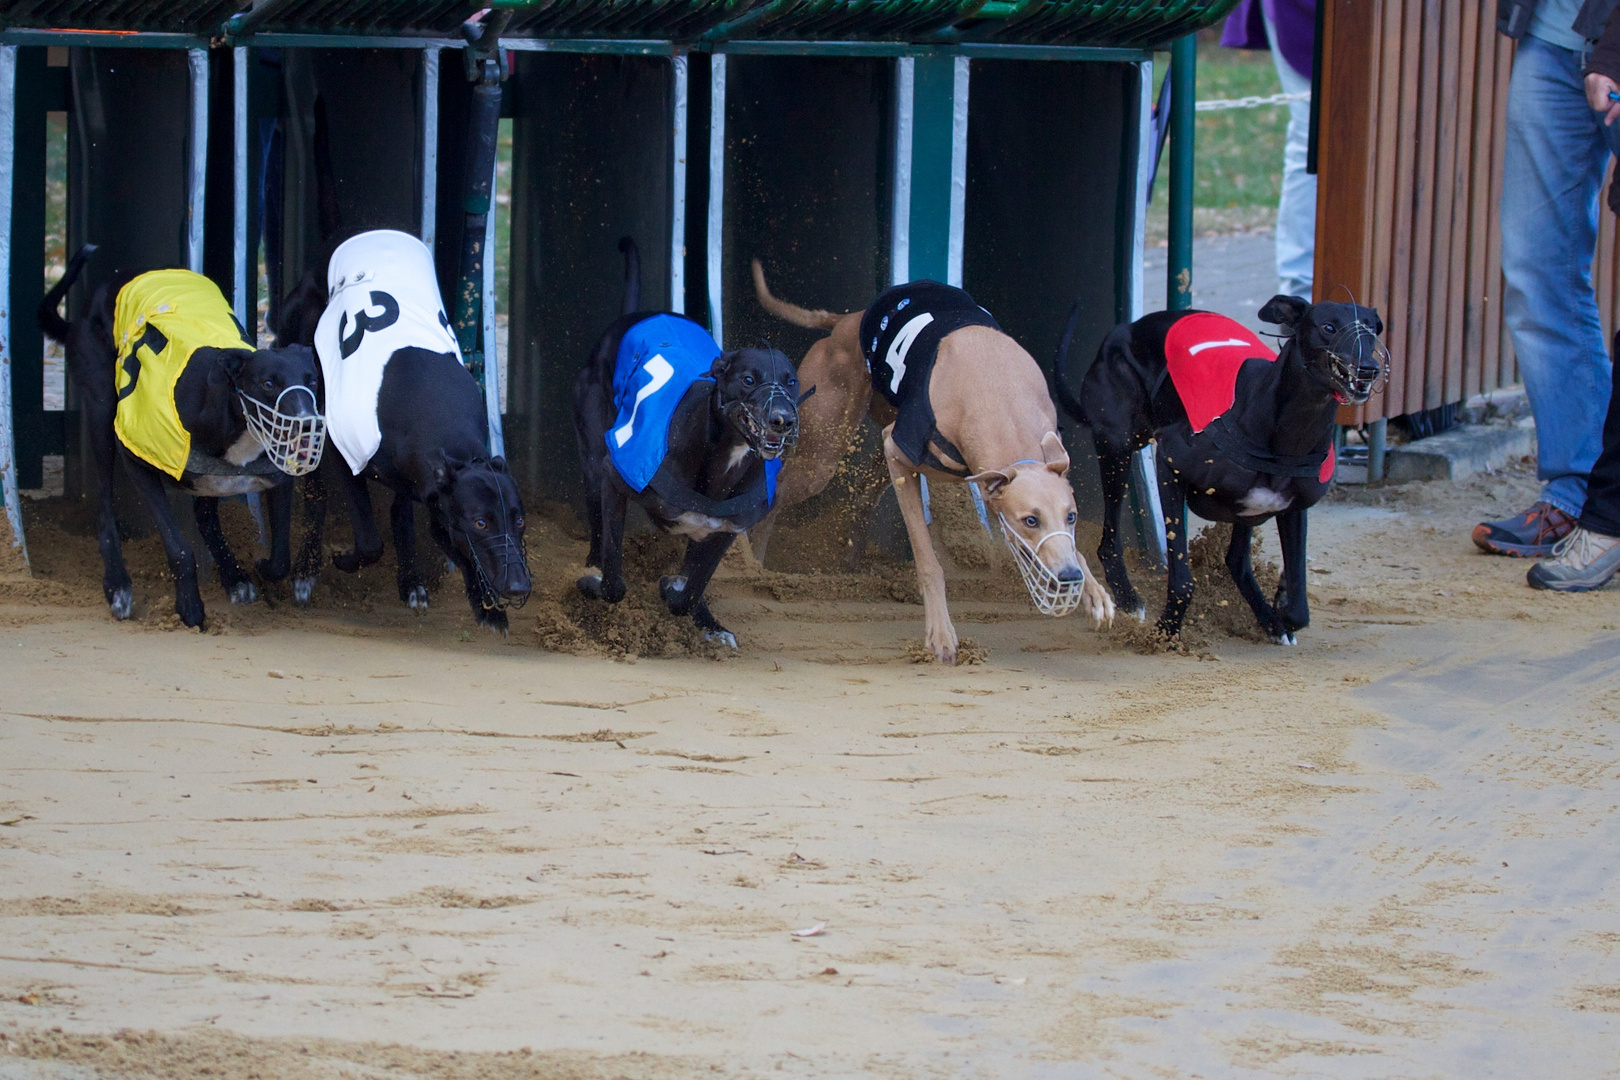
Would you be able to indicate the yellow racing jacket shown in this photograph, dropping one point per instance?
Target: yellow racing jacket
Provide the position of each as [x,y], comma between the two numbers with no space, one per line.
[159,320]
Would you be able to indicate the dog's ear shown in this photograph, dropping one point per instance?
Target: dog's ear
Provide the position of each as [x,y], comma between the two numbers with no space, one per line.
[1057,458]
[992,480]
[444,474]
[232,361]
[721,365]
[1284,311]
[1377,323]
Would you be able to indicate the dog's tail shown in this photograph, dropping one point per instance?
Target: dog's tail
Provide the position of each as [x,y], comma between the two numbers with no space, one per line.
[632,276]
[50,320]
[810,319]
[1060,367]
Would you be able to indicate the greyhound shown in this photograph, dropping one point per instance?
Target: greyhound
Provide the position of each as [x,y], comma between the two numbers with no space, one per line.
[693,434]
[977,410]
[171,386]
[406,413]
[1242,435]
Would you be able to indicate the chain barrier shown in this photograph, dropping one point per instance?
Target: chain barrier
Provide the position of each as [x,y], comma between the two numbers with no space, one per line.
[1219,104]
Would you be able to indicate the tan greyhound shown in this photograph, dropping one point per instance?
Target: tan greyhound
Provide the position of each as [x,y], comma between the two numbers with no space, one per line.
[993,423]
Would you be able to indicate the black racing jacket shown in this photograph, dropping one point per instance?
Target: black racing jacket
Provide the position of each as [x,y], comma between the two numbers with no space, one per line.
[1513,17]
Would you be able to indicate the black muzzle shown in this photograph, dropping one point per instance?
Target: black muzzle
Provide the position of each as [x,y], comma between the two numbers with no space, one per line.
[1358,363]
[769,420]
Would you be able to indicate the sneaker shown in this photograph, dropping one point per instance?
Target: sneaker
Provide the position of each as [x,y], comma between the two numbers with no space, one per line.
[1530,535]
[1583,561]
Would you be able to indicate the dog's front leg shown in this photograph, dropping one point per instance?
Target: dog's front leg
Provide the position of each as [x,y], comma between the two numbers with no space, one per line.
[279,564]
[232,578]
[939,634]
[402,517]
[683,593]
[1178,592]
[1293,605]
[1116,472]
[309,553]
[367,544]
[609,584]
[1241,566]
[115,582]
[148,482]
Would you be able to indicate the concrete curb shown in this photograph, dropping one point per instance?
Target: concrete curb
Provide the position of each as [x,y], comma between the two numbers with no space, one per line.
[1461,452]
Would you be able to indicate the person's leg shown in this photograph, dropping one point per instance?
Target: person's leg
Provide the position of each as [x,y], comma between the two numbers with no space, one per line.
[1296,210]
[1555,158]
[1590,556]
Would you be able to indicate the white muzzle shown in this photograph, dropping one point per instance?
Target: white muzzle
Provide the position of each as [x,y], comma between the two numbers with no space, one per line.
[292,443]
[1050,595]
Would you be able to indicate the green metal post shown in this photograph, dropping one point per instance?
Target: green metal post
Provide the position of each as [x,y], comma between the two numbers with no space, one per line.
[1183,103]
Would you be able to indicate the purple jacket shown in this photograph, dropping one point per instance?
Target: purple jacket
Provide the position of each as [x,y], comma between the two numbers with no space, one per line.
[1295,21]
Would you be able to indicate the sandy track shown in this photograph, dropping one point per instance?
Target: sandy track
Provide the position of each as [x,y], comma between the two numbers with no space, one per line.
[418,852]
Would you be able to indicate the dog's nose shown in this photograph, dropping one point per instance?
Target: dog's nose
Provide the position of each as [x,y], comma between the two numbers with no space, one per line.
[780,420]
[518,583]
[1071,573]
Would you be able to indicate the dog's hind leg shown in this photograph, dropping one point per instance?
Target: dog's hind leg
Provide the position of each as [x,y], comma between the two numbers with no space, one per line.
[279,564]
[1241,567]
[367,544]
[1116,473]
[1293,605]
[149,484]
[402,517]
[683,592]
[232,578]
[1178,591]
[309,553]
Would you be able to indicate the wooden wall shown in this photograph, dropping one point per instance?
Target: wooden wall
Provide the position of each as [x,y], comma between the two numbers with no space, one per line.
[1409,172]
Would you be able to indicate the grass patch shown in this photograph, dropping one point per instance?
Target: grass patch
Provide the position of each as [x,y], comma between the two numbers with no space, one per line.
[1237,152]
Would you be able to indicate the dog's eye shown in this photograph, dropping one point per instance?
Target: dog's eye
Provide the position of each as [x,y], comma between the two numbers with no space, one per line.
[269,384]
[1032,521]
[1072,516]
[1329,328]
[480,524]
[519,522]
[748,380]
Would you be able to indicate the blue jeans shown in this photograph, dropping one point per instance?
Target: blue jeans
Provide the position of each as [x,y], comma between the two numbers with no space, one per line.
[1556,154]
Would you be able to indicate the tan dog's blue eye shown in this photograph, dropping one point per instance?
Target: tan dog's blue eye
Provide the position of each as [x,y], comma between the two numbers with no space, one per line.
[1032,521]
[1072,516]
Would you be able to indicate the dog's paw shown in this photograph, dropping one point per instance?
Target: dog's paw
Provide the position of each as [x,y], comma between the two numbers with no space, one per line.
[1285,637]
[590,585]
[493,619]
[721,637]
[303,589]
[269,571]
[121,602]
[191,611]
[1140,613]
[416,598]
[243,592]
[672,591]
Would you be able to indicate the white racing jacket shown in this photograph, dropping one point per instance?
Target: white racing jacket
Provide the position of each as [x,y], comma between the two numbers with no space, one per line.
[384,296]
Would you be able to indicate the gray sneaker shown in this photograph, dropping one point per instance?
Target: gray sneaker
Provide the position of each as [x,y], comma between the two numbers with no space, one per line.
[1581,561]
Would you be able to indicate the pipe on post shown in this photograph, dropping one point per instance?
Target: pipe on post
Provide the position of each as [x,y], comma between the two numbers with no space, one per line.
[246,305]
[197,62]
[430,145]
[717,191]
[8,144]
[677,184]
[483,131]
[1183,117]
[1376,446]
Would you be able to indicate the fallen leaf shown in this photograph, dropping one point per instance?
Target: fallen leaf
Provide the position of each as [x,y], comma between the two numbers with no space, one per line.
[829,971]
[811,931]
[277,674]
[1304,765]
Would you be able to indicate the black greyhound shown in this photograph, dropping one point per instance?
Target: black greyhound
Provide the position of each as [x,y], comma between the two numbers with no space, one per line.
[712,482]
[434,450]
[1268,454]
[208,404]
